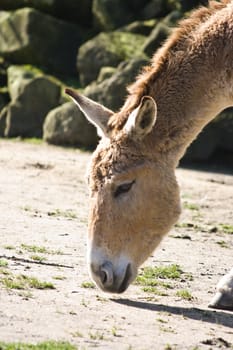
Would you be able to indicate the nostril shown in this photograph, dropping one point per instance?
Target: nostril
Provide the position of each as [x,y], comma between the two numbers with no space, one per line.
[103,277]
[106,274]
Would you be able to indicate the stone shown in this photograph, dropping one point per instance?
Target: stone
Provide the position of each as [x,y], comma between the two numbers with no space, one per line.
[112,91]
[111,14]
[29,36]
[216,136]
[66,125]
[156,38]
[140,27]
[105,73]
[32,96]
[107,49]
[69,10]
[154,9]
[3,115]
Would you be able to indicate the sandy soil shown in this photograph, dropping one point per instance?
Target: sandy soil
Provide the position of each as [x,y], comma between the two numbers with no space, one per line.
[43,203]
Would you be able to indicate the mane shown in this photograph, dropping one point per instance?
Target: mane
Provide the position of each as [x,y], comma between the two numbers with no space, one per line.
[178,41]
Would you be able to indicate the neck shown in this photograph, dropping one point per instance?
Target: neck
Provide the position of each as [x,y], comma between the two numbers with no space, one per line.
[190,79]
[185,108]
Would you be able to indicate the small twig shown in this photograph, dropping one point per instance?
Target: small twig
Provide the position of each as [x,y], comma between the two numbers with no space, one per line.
[29,261]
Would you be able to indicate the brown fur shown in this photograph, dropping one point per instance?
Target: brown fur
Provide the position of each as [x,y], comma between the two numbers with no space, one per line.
[191,80]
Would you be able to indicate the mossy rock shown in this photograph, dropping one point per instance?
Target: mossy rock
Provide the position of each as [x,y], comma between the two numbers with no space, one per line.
[107,49]
[140,27]
[105,73]
[33,94]
[159,8]
[69,10]
[66,125]
[216,136]
[29,36]
[112,91]
[156,38]
[111,14]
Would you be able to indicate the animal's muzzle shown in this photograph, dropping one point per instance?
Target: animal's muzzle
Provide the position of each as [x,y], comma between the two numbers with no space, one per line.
[109,280]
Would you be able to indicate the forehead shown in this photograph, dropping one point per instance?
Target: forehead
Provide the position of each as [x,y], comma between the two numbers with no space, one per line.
[112,158]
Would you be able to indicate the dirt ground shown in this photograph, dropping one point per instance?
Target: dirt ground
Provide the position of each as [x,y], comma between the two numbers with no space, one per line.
[43,208]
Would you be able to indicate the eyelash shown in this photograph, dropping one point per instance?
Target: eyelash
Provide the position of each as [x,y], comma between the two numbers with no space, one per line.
[124,188]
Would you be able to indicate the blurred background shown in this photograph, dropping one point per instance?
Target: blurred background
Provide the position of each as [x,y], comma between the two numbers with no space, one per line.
[97,46]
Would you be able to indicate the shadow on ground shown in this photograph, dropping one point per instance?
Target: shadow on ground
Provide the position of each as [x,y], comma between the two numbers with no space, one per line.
[215,317]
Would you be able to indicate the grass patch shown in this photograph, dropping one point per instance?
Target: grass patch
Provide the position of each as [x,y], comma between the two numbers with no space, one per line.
[59,278]
[38,258]
[24,282]
[34,249]
[223,244]
[226,228]
[49,345]
[38,249]
[155,279]
[33,140]
[191,206]
[95,336]
[89,285]
[9,247]
[163,272]
[184,294]
[3,263]
[154,290]
[70,214]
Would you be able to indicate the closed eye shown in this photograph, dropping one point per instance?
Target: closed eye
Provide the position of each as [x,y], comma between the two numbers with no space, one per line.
[123,188]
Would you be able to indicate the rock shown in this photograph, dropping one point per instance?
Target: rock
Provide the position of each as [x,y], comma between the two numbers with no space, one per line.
[4,98]
[112,92]
[66,125]
[218,135]
[105,73]
[111,14]
[69,10]
[140,27]
[172,18]
[189,5]
[107,49]
[32,96]
[3,115]
[156,39]
[224,125]
[154,9]
[23,35]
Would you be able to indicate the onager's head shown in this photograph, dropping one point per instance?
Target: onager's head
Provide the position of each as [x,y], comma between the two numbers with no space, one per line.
[134,197]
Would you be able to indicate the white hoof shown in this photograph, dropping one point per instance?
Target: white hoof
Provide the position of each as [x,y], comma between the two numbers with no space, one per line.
[223,299]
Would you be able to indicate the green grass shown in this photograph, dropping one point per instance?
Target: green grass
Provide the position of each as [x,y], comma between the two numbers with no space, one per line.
[38,249]
[223,244]
[191,206]
[69,214]
[163,272]
[158,280]
[226,228]
[24,282]
[49,345]
[9,247]
[34,249]
[184,294]
[3,263]
[90,285]
[154,290]
[38,258]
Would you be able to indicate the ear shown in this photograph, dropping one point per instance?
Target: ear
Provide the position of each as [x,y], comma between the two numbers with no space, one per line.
[95,112]
[142,119]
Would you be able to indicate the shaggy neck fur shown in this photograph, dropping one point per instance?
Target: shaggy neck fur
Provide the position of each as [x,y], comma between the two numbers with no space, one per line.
[190,78]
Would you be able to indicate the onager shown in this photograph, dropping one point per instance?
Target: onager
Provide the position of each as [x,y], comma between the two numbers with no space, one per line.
[134,196]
